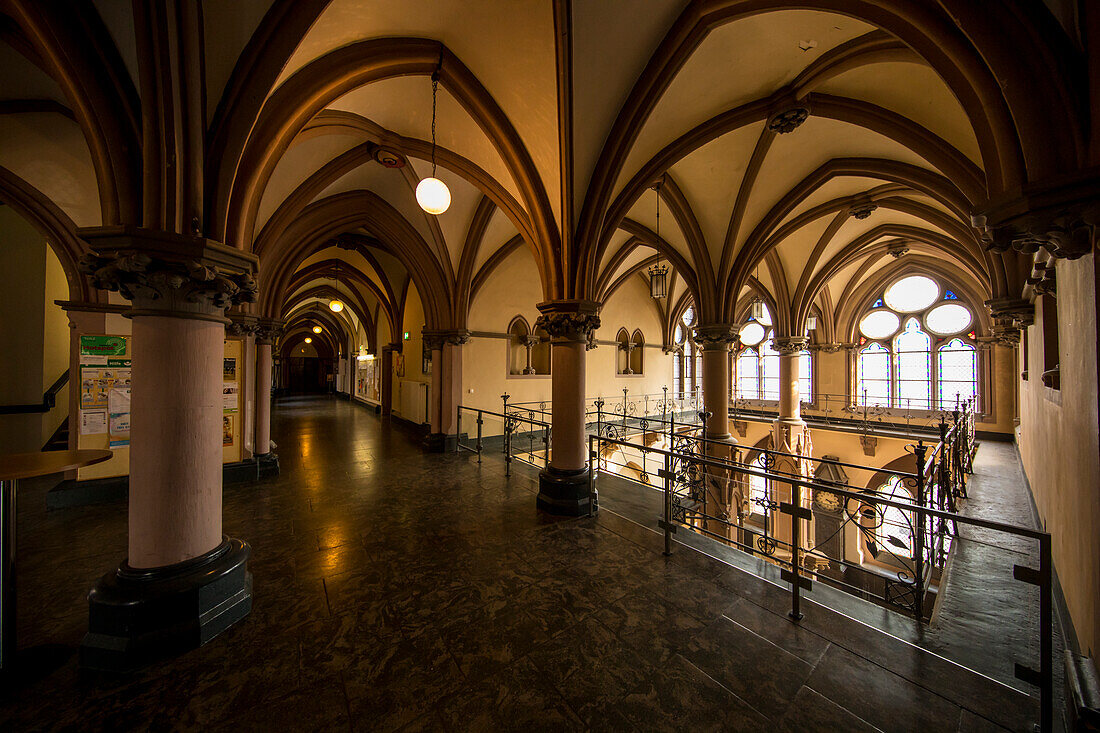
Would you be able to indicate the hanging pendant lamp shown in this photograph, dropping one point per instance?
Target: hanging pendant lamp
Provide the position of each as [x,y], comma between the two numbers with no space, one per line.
[336,305]
[431,193]
[658,274]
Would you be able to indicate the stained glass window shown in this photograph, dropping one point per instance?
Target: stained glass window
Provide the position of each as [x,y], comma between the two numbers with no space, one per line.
[748,377]
[769,370]
[805,376]
[958,373]
[758,487]
[873,375]
[895,531]
[878,303]
[678,372]
[913,356]
[950,296]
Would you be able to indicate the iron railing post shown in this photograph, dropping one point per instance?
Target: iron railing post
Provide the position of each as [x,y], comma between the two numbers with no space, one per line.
[918,541]
[458,428]
[668,504]
[593,466]
[480,420]
[796,542]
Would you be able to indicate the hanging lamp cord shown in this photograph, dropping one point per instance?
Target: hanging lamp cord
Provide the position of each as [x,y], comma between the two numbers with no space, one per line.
[435,90]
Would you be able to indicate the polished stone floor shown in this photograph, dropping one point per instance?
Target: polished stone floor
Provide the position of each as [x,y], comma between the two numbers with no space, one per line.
[396,589]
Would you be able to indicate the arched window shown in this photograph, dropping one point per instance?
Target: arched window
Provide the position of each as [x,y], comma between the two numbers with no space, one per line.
[806,376]
[622,352]
[679,337]
[518,347]
[638,340]
[689,369]
[895,531]
[913,357]
[748,375]
[958,372]
[918,348]
[758,487]
[540,352]
[769,369]
[873,375]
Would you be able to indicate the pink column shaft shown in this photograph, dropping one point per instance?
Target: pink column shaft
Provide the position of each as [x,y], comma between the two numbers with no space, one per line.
[263,399]
[451,388]
[434,406]
[176,443]
[790,399]
[567,390]
[716,388]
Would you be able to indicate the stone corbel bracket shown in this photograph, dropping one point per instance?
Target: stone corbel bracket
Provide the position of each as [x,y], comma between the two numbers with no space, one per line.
[435,338]
[1060,216]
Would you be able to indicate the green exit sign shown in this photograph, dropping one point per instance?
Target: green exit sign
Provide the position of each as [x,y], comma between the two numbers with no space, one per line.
[406,335]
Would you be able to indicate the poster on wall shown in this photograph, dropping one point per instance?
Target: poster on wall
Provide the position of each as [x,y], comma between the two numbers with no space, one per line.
[93,422]
[229,369]
[98,350]
[227,431]
[230,391]
[96,384]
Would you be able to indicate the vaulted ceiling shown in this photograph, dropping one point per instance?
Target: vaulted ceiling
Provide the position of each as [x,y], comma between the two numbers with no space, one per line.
[796,152]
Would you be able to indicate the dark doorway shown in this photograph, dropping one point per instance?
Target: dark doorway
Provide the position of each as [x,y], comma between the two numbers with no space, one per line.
[306,375]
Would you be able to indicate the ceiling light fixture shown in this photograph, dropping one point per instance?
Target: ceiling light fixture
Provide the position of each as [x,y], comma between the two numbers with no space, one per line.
[431,193]
[658,274]
[309,340]
[317,329]
[336,305]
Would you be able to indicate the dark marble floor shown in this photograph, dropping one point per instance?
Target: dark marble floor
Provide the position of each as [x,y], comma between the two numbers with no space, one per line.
[401,590]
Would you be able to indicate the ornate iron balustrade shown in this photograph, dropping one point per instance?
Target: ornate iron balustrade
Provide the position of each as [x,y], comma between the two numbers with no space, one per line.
[517,437]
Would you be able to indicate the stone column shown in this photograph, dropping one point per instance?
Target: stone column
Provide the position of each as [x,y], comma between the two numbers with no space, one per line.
[790,435]
[267,331]
[385,395]
[183,581]
[722,494]
[563,484]
[446,345]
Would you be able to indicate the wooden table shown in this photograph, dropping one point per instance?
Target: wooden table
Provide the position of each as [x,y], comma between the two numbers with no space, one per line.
[12,468]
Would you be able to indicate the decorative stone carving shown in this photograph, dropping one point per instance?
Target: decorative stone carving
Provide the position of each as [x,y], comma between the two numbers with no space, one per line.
[831,348]
[268,330]
[715,336]
[388,158]
[790,345]
[741,426]
[590,342]
[434,339]
[136,275]
[1044,279]
[569,320]
[897,249]
[869,443]
[788,120]
[862,209]
[1061,217]
[1009,316]
[241,326]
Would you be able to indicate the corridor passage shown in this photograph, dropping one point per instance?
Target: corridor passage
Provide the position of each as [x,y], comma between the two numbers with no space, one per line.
[395,589]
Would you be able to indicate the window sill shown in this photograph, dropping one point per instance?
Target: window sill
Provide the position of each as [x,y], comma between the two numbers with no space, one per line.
[528,376]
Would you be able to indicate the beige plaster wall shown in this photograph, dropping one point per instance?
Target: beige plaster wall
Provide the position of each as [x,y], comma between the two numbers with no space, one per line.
[22,322]
[55,342]
[514,289]
[1060,448]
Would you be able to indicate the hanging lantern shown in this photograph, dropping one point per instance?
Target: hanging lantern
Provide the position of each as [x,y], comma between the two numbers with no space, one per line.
[431,193]
[309,340]
[658,274]
[756,310]
[336,305]
[811,323]
[317,329]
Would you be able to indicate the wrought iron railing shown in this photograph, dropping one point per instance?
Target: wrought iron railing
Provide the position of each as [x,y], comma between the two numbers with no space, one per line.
[803,517]
[515,436]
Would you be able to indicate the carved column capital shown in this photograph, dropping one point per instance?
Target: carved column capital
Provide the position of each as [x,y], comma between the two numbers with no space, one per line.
[169,274]
[434,338]
[790,345]
[716,336]
[268,330]
[241,325]
[1009,316]
[1061,216]
[569,320]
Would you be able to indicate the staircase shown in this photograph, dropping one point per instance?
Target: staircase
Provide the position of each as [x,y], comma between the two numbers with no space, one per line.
[60,438]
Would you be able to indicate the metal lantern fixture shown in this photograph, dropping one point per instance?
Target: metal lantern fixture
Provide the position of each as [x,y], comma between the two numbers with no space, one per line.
[811,323]
[756,310]
[658,274]
[431,193]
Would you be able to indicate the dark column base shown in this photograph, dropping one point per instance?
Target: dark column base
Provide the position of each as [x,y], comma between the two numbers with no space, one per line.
[441,443]
[269,464]
[137,616]
[563,492]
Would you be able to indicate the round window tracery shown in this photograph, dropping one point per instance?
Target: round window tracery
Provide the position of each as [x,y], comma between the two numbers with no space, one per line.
[751,333]
[948,318]
[879,324]
[911,294]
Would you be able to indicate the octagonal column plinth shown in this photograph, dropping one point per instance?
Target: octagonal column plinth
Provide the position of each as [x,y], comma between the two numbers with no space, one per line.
[183,581]
[563,484]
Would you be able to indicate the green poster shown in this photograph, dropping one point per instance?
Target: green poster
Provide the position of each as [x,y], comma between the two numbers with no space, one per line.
[102,346]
